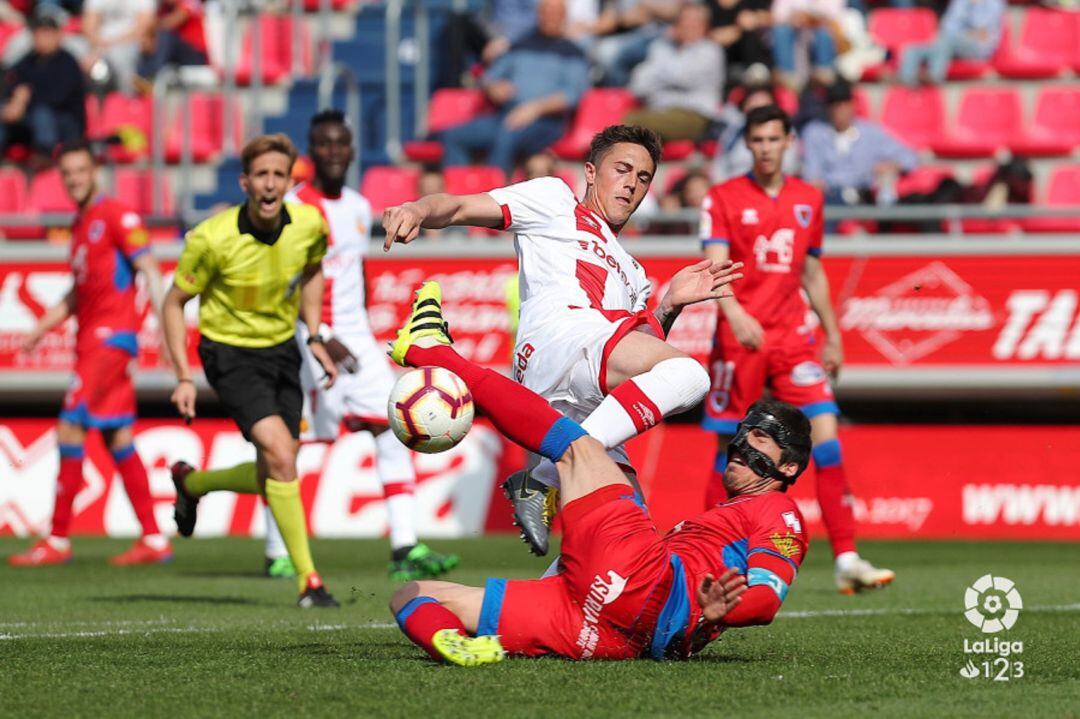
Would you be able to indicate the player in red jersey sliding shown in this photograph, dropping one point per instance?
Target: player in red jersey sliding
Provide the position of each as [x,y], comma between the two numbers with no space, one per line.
[108,247]
[585,340]
[622,590]
[773,224]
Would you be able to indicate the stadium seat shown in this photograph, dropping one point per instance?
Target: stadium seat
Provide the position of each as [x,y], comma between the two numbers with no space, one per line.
[7,31]
[1046,46]
[988,119]
[276,50]
[335,5]
[47,193]
[13,202]
[893,28]
[570,177]
[678,150]
[471,179]
[1062,190]
[448,107]
[915,116]
[385,186]
[1056,127]
[207,129]
[122,115]
[598,108]
[961,69]
[922,180]
[136,189]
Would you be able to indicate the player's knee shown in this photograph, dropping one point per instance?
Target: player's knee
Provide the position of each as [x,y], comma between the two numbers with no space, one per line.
[281,462]
[403,595]
[688,378]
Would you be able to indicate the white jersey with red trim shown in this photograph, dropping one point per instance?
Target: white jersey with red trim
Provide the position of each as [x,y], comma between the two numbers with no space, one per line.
[568,256]
[349,219]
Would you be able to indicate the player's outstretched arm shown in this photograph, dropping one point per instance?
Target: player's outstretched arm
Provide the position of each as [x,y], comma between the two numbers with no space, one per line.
[403,223]
[53,317]
[175,331]
[718,597]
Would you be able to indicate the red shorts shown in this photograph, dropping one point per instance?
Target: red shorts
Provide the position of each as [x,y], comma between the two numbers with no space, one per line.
[614,578]
[102,393]
[787,365]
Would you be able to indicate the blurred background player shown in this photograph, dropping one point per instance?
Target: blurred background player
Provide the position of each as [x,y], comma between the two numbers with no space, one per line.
[359,396]
[586,341]
[108,247]
[622,591]
[773,224]
[256,269]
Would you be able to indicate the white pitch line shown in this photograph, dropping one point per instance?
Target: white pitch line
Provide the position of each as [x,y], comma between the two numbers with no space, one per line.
[873,612]
[92,634]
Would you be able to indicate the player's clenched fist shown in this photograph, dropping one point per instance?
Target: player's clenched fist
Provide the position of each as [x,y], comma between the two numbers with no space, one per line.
[402,224]
[183,398]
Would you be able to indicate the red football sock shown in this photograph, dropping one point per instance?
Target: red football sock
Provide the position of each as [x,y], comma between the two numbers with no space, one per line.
[68,484]
[835,500]
[523,416]
[137,485]
[422,617]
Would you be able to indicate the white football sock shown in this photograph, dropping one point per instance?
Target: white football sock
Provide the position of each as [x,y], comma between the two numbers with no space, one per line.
[845,560]
[394,467]
[275,545]
[671,386]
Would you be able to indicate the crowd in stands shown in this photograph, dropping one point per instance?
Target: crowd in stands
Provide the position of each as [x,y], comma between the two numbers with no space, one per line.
[693,69]
[59,52]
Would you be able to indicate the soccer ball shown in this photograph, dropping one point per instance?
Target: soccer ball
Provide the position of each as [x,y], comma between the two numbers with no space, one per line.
[430,409]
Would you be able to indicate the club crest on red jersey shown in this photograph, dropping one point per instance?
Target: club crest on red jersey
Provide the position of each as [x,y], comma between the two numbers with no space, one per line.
[803,215]
[96,230]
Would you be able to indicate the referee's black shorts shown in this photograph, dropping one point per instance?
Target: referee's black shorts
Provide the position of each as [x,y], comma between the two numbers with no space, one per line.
[255,382]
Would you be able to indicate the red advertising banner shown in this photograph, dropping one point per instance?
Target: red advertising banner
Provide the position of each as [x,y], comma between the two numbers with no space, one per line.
[1002,311]
[927,482]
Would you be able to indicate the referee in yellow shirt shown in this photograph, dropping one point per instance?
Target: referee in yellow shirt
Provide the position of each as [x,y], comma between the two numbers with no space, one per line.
[255,268]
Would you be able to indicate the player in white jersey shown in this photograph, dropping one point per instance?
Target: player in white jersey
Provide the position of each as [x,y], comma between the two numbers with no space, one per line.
[585,341]
[358,399]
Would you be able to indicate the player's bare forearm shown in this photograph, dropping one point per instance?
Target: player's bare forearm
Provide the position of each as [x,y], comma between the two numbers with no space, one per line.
[175,330]
[312,286]
[155,286]
[435,212]
[816,284]
[53,317]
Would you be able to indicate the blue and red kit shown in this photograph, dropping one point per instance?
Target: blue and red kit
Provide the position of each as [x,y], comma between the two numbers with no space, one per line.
[106,239]
[772,237]
[624,591]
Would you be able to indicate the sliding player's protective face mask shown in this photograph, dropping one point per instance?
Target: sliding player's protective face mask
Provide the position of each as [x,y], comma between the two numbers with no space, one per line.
[758,462]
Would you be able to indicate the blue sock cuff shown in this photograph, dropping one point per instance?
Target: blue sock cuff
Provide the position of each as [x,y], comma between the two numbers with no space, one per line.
[415,603]
[559,438]
[122,453]
[72,451]
[827,454]
[720,463]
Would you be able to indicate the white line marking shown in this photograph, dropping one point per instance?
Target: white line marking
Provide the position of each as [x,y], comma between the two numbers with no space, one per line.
[93,634]
[818,613]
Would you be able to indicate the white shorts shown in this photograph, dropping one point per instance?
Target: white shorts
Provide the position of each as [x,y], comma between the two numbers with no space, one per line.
[562,356]
[355,398]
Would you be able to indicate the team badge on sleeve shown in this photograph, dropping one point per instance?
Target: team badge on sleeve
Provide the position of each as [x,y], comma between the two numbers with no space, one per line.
[803,215]
[786,544]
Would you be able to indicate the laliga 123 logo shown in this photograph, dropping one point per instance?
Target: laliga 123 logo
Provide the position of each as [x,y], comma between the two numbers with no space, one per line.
[993,605]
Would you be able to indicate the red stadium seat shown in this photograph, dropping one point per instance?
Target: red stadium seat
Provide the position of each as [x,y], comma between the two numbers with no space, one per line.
[7,31]
[336,5]
[123,114]
[678,150]
[136,189]
[47,193]
[598,108]
[385,186]
[13,202]
[1056,127]
[207,128]
[1063,190]
[893,28]
[1046,46]
[988,119]
[922,180]
[962,69]
[471,179]
[915,116]
[570,177]
[448,107]
[276,50]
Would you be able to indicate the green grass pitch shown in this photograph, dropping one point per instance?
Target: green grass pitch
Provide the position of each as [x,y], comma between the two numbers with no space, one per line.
[208,636]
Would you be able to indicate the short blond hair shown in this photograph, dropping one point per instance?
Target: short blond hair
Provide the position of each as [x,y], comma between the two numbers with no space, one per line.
[263,144]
